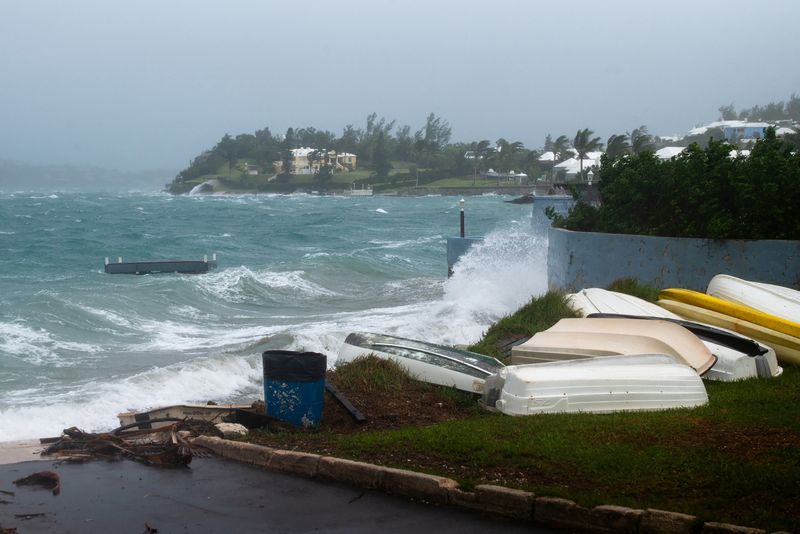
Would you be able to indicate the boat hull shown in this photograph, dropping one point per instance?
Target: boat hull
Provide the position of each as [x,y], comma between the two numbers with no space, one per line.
[584,338]
[732,309]
[421,365]
[732,362]
[786,347]
[212,413]
[768,298]
[595,385]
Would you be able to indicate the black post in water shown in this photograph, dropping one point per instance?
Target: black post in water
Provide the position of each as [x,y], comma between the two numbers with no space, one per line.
[462,217]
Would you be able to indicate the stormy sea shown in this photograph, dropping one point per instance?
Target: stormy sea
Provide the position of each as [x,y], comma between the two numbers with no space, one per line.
[296,272]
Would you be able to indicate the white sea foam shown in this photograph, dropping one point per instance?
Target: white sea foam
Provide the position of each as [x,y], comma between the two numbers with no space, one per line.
[93,406]
[407,242]
[37,346]
[381,210]
[109,316]
[240,284]
[190,312]
[185,337]
[490,281]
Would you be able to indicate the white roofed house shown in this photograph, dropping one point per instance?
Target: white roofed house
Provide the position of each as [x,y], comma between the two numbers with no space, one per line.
[570,169]
[669,152]
[346,161]
[734,130]
[306,160]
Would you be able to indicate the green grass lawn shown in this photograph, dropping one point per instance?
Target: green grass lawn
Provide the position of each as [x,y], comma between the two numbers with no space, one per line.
[736,460]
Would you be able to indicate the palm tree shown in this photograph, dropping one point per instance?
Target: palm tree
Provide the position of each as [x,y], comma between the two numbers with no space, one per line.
[506,153]
[585,143]
[618,145]
[641,140]
[479,149]
[559,149]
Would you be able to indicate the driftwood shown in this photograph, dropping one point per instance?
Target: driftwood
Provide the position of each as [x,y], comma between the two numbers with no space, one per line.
[47,479]
[167,446]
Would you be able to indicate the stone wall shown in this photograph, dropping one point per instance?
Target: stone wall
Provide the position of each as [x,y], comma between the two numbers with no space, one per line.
[577,260]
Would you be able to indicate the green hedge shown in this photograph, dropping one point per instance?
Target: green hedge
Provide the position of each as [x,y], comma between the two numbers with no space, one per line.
[701,193]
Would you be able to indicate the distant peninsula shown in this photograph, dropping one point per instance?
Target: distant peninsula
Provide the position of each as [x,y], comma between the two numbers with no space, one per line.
[385,158]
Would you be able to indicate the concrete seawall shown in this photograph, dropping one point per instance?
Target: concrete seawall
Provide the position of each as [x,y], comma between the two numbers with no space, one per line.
[578,260]
[458,246]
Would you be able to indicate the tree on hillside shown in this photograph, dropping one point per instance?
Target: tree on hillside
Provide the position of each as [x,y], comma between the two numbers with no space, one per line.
[506,154]
[585,143]
[375,127]
[793,108]
[324,171]
[380,156]
[286,151]
[403,144]
[430,140]
[727,113]
[640,140]
[266,148]
[348,142]
[479,151]
[226,148]
[618,145]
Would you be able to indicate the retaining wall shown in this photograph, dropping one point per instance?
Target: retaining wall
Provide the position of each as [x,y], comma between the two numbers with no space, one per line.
[577,260]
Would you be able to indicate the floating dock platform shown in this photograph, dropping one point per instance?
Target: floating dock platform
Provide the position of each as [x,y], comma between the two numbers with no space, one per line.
[171,266]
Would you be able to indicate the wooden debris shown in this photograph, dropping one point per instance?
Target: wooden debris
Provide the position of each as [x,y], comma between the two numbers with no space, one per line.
[345,403]
[47,479]
[167,446]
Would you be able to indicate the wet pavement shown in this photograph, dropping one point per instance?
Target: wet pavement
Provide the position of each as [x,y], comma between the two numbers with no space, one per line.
[215,495]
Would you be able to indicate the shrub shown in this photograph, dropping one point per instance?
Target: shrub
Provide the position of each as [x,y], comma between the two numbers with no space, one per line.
[701,193]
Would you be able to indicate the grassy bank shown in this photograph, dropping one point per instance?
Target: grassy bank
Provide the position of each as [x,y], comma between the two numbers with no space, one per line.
[735,460]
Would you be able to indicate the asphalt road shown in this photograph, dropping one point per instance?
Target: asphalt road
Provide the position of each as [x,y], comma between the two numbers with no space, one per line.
[215,495]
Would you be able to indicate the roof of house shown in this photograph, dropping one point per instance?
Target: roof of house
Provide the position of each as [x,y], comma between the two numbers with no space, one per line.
[574,165]
[700,130]
[669,151]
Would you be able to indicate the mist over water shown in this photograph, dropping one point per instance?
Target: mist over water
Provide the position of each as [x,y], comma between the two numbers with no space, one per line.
[297,272]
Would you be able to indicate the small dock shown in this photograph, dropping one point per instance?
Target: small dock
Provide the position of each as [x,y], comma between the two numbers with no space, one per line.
[169,266]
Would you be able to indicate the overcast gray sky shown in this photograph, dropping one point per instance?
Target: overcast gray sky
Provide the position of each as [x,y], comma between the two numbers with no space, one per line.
[150,83]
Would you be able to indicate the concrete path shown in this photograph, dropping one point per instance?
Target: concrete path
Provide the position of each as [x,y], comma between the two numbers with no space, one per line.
[215,495]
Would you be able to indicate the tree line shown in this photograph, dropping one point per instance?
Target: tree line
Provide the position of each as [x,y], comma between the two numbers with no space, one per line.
[701,193]
[427,153]
[772,112]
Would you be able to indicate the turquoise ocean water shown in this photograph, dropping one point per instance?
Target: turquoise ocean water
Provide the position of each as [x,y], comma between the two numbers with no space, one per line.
[78,346]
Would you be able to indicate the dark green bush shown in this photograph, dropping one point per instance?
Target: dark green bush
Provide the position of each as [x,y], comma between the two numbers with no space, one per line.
[702,193]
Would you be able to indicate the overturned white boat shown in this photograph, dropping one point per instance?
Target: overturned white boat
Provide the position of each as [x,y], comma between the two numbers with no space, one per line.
[428,362]
[607,384]
[167,415]
[775,300]
[738,357]
[571,339]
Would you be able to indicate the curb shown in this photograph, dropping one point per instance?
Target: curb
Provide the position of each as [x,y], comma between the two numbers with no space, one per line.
[493,500]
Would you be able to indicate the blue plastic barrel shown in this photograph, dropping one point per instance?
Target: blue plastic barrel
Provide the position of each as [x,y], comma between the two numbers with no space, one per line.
[294,386]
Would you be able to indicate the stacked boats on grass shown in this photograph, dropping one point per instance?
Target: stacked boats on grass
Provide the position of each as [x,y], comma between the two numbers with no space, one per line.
[623,354]
[594,383]
[766,313]
[737,356]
